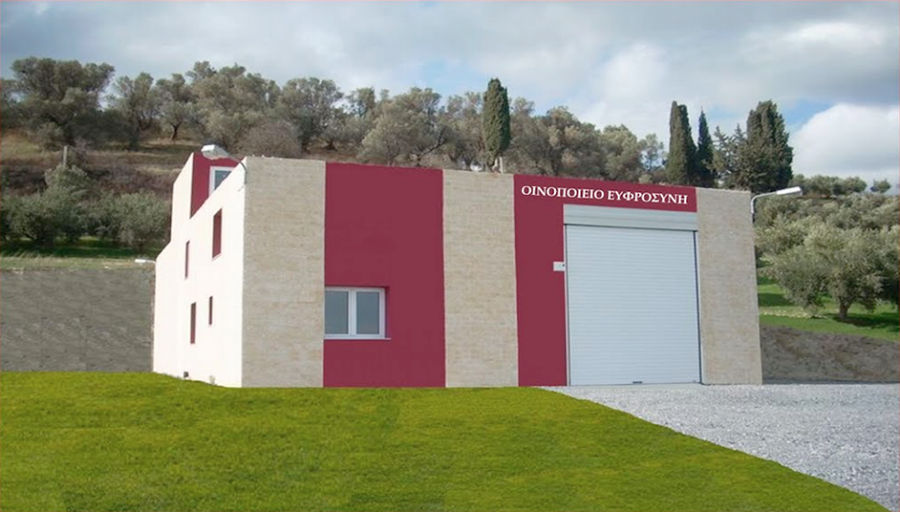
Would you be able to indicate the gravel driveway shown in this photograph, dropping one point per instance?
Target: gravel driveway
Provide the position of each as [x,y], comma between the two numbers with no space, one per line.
[847,434]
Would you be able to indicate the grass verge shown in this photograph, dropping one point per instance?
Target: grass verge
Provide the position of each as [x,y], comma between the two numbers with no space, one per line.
[775,309]
[85,253]
[83,441]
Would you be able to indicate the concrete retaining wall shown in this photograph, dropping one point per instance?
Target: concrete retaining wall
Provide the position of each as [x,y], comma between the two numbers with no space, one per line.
[76,320]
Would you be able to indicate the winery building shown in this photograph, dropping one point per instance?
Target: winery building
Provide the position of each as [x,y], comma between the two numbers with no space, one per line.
[286,273]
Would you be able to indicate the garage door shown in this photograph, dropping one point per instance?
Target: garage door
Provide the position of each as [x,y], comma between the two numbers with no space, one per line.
[631,297]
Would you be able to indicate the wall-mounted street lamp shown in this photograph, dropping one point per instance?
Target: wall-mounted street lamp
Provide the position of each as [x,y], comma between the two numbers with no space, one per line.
[783,192]
[214,151]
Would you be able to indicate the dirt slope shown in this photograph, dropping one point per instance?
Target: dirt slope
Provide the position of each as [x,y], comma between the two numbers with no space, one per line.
[791,355]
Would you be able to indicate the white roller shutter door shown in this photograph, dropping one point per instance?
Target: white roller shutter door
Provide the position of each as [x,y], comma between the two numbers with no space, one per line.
[632,305]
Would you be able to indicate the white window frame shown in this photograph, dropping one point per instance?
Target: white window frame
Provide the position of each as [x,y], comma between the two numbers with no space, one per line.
[212,175]
[351,314]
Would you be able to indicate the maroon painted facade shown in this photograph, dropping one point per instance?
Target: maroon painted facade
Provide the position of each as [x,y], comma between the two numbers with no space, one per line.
[540,292]
[384,228]
[200,178]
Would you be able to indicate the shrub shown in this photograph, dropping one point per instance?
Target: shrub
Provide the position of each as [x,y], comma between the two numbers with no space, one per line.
[8,204]
[70,177]
[140,220]
[103,220]
[44,216]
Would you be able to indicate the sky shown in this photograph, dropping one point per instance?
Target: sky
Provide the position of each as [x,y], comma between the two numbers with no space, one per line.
[831,67]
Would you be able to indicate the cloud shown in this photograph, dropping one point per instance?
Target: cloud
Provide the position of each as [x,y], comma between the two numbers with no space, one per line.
[609,62]
[850,140]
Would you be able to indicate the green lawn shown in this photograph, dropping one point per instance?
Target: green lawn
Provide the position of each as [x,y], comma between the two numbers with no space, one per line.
[775,309]
[83,441]
[85,253]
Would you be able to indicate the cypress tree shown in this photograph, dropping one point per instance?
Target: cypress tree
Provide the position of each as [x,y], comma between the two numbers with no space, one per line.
[767,156]
[681,165]
[495,122]
[706,175]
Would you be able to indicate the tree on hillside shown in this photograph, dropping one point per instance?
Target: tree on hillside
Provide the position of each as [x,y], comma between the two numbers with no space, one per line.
[408,128]
[60,99]
[177,103]
[353,120]
[847,264]
[556,144]
[880,186]
[681,165]
[138,103]
[726,154]
[705,169]
[623,153]
[463,118]
[652,154]
[495,123]
[310,104]
[9,104]
[765,157]
[271,137]
[890,271]
[231,101]
[200,71]
[828,186]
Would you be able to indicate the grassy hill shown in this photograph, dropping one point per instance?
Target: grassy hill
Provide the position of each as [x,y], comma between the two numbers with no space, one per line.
[147,442]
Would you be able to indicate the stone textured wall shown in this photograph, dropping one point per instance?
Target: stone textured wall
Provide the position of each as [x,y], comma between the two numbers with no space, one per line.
[284,273]
[729,313]
[76,320]
[480,280]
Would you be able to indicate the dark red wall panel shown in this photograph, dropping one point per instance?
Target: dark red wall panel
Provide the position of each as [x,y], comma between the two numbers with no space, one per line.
[200,178]
[540,292]
[384,228]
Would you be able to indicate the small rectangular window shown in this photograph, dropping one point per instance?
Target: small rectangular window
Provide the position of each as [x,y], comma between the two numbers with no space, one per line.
[187,258]
[210,310]
[193,323]
[217,234]
[216,176]
[354,313]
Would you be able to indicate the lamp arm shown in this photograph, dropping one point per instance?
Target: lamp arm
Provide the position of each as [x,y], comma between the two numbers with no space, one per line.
[753,203]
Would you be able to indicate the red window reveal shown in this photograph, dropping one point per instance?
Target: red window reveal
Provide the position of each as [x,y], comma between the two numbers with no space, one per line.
[193,323]
[217,234]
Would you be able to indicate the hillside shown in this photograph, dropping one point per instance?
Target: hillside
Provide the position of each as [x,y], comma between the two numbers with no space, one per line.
[151,168]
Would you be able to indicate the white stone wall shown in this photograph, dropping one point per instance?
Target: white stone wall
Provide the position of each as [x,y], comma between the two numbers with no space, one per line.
[165,313]
[216,355]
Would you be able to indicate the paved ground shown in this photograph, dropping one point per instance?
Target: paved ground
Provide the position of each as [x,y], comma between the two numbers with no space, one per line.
[76,320]
[847,434]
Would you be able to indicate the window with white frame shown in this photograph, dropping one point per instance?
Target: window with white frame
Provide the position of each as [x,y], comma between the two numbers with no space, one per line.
[356,313]
[216,176]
